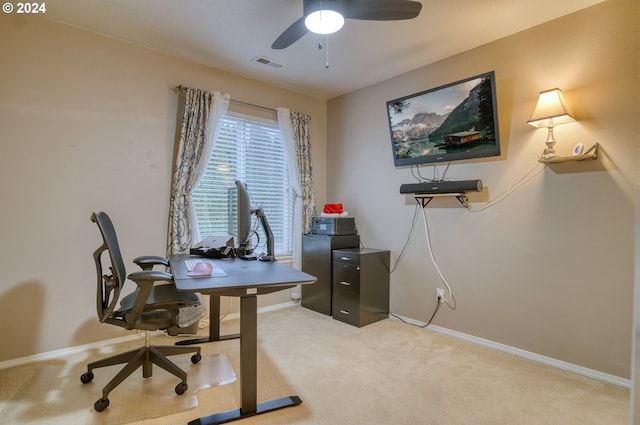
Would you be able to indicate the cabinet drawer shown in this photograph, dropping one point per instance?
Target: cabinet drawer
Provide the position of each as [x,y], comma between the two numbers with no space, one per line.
[347,256]
[346,307]
[346,277]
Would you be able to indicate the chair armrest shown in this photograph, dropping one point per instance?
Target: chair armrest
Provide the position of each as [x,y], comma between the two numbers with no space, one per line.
[150,276]
[145,280]
[146,262]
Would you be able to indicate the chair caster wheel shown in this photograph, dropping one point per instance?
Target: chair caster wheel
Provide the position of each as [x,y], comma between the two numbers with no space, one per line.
[101,404]
[196,358]
[181,388]
[86,377]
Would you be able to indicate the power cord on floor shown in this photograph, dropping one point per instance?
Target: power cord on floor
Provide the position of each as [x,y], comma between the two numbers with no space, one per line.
[420,326]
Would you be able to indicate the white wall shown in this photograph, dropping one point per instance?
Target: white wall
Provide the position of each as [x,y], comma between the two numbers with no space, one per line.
[550,269]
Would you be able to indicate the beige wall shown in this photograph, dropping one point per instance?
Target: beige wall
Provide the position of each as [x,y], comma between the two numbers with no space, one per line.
[550,269]
[87,123]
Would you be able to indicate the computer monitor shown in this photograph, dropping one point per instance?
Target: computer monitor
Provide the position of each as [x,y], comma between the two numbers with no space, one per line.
[239,223]
[239,220]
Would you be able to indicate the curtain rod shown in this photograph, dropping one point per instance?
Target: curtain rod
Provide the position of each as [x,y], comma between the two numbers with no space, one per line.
[238,102]
[251,105]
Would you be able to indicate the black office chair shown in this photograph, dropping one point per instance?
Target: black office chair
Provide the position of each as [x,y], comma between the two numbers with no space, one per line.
[150,307]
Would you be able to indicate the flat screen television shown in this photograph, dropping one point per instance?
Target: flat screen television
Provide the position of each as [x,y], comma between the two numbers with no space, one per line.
[448,123]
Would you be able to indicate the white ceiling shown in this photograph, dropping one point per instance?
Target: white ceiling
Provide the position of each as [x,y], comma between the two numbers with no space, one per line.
[228,34]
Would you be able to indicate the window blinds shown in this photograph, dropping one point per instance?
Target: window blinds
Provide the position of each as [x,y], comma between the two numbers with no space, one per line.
[251,150]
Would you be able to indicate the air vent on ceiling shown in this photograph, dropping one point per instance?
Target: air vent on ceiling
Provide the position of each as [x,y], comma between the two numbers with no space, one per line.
[266,61]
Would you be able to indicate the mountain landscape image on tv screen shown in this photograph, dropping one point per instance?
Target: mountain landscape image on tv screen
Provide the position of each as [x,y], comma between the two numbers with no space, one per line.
[453,122]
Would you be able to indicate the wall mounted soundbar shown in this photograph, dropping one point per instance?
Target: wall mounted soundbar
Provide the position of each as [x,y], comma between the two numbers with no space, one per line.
[460,186]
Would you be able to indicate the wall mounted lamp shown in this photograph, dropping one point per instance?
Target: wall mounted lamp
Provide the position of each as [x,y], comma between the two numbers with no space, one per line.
[324,17]
[549,112]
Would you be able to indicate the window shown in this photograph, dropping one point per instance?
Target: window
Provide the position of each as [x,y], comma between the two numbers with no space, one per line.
[249,149]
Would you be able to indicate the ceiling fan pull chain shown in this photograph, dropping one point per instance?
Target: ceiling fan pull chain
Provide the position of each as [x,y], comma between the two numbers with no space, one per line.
[326,65]
[320,46]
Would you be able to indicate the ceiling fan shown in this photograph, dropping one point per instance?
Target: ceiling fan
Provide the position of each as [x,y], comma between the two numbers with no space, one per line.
[327,16]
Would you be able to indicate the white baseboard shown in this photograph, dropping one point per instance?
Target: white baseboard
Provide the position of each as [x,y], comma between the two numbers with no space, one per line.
[549,361]
[67,351]
[94,345]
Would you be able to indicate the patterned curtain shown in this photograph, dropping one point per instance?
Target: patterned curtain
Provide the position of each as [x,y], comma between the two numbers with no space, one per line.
[302,136]
[294,128]
[200,117]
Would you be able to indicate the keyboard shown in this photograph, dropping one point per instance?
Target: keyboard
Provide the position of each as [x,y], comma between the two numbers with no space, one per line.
[191,264]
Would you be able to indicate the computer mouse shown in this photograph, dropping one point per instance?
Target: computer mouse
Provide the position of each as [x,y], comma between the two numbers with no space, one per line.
[201,269]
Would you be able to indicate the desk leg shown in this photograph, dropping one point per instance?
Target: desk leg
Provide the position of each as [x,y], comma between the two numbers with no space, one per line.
[248,372]
[248,353]
[214,325]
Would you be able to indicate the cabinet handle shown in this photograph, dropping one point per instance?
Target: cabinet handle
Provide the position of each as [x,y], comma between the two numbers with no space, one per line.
[345,312]
[345,258]
[345,283]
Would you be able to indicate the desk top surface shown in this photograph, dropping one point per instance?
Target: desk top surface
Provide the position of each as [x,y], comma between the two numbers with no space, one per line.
[242,277]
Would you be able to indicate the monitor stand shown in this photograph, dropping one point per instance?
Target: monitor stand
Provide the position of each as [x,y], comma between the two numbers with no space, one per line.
[245,253]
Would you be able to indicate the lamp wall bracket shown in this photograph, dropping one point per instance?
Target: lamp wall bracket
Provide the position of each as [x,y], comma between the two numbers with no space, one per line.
[590,154]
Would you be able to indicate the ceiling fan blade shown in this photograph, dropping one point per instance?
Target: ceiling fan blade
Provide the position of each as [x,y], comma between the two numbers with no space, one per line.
[382,10]
[290,35]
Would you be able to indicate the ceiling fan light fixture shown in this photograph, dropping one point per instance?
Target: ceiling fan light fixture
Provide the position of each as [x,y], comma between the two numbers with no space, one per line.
[324,22]
[324,16]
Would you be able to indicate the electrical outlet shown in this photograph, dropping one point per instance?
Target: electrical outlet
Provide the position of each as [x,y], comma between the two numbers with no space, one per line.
[439,294]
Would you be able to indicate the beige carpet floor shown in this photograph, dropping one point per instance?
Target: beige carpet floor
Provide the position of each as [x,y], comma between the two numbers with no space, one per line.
[54,395]
[385,373]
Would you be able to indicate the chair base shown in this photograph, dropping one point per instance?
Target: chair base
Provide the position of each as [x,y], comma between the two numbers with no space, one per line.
[146,357]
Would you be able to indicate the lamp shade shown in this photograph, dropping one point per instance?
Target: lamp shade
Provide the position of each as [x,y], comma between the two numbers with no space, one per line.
[550,110]
[324,16]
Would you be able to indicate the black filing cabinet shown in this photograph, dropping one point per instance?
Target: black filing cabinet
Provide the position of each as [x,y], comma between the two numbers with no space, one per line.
[360,285]
[316,260]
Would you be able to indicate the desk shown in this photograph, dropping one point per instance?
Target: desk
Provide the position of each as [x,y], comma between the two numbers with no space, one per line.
[247,280]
